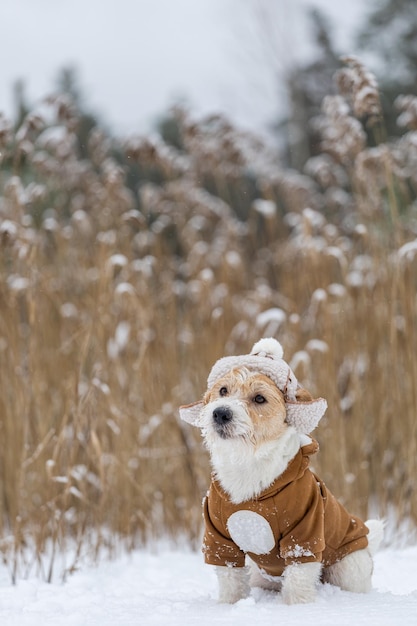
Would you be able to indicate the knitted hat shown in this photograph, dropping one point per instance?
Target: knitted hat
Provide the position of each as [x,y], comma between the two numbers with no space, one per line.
[266,358]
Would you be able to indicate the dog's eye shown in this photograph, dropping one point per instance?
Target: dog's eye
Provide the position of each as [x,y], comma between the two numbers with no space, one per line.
[223,391]
[259,399]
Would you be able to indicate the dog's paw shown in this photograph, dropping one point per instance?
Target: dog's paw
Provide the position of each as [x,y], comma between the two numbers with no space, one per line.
[233,584]
[300,580]
[230,597]
[298,596]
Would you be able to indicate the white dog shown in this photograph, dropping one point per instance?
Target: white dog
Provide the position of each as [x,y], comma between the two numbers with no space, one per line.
[264,502]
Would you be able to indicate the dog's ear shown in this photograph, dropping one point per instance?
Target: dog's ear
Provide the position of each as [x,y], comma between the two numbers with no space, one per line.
[302,395]
[190,413]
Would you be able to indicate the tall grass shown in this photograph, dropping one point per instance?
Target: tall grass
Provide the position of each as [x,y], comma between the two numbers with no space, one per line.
[124,276]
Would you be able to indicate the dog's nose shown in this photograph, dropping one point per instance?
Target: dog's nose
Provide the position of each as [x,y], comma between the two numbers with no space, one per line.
[222,414]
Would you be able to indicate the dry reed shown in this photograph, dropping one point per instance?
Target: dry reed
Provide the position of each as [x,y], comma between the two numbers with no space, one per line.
[116,300]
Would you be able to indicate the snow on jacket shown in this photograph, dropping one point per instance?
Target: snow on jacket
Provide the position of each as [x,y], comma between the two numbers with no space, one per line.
[295,520]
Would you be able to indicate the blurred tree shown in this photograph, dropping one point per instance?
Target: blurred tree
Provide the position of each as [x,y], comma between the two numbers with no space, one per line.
[307,87]
[20,101]
[390,36]
[68,83]
[169,129]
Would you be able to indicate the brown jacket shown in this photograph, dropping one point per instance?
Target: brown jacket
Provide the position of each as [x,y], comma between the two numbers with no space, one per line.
[307,522]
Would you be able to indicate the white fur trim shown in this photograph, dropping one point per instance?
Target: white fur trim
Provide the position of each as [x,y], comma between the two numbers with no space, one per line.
[268,346]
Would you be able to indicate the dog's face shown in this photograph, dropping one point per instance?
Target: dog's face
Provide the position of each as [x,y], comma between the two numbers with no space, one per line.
[243,406]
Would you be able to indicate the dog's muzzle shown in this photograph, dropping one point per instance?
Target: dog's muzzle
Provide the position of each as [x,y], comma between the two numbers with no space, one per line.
[222,416]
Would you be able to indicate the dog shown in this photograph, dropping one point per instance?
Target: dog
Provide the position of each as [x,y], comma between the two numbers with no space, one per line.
[269,520]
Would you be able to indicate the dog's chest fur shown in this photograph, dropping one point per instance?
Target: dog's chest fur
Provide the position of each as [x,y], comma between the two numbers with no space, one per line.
[244,473]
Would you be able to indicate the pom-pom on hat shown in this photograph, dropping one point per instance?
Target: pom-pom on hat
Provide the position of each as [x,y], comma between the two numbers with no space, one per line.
[266,358]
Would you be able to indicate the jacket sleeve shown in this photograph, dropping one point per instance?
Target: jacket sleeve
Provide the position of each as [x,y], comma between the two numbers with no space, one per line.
[217,548]
[302,531]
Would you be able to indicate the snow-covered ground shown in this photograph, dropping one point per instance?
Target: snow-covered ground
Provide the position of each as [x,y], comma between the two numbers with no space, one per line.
[174,587]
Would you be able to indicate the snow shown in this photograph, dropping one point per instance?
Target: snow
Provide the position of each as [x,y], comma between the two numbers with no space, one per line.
[297,552]
[317,345]
[7,227]
[52,137]
[173,586]
[17,283]
[117,260]
[271,315]
[408,251]
[267,208]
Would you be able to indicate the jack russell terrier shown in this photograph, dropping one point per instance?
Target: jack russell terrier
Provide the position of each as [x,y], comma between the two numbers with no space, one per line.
[269,520]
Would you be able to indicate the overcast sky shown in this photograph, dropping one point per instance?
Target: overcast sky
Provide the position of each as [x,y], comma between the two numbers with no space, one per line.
[136,57]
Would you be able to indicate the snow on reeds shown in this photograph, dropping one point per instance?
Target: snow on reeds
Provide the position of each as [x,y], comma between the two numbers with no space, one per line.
[127,269]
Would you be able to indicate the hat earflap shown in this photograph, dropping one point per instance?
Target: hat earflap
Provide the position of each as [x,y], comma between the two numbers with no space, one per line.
[305,416]
[190,413]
